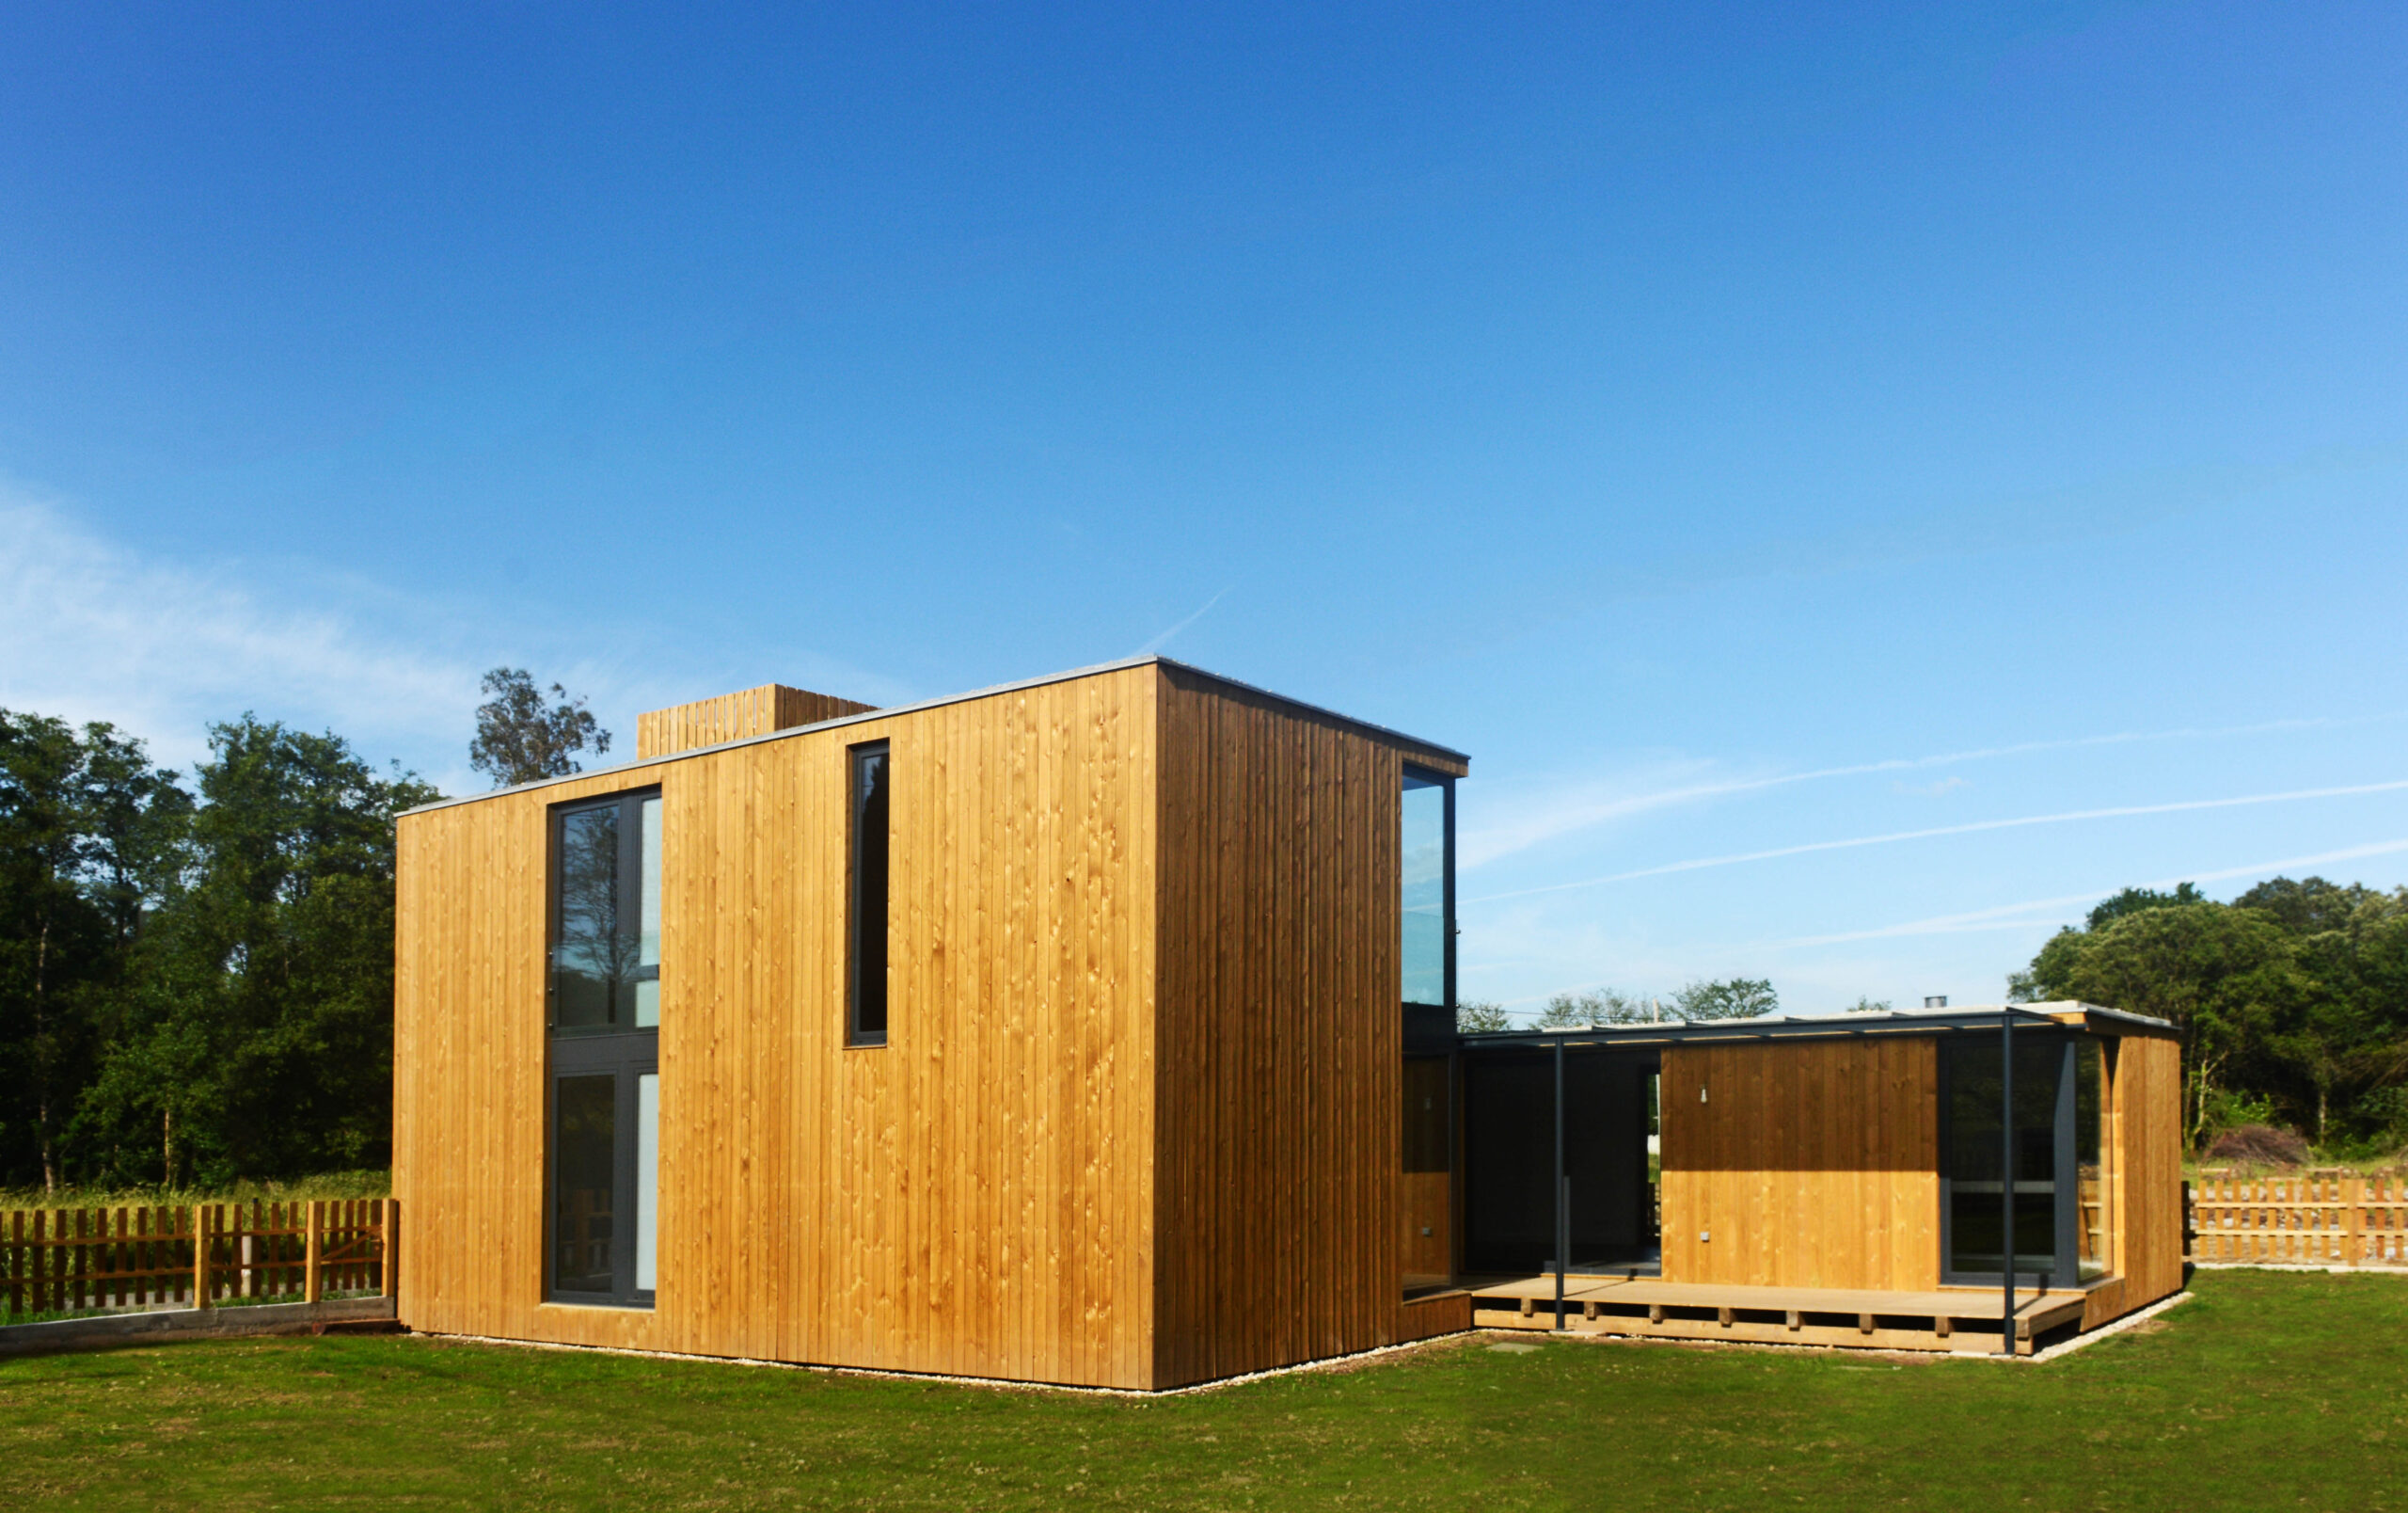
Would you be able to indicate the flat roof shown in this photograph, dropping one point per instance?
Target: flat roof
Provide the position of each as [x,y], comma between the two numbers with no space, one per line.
[1383,732]
[2057,1014]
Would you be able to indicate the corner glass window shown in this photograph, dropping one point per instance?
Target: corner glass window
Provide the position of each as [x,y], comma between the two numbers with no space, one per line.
[2056,1200]
[1427,856]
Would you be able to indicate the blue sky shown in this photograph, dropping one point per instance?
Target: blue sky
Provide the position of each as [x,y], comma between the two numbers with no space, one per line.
[1862,482]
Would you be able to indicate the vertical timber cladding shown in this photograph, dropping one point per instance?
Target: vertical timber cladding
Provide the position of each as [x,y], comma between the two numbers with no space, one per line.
[752,711]
[2148,1167]
[1809,1164]
[1279,1037]
[974,1197]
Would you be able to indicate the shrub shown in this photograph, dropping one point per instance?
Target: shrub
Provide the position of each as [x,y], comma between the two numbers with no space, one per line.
[2259,1145]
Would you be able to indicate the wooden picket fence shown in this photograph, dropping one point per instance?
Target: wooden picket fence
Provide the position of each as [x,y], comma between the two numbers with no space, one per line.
[62,1260]
[2313,1219]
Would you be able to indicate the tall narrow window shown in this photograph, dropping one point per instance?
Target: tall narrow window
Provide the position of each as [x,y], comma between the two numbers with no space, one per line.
[605,1049]
[1427,846]
[871,835]
[2091,1155]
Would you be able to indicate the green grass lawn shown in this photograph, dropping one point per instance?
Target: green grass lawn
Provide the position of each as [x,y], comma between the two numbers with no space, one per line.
[2267,1391]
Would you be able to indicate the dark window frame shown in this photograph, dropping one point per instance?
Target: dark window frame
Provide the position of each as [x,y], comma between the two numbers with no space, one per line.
[1445,783]
[625,1053]
[858,908]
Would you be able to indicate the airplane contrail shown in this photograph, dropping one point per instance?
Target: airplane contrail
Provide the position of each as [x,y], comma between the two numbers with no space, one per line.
[2121,812]
[2001,917]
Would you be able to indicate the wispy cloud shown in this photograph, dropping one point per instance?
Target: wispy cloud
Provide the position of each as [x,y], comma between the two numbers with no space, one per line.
[1931,791]
[94,633]
[2069,817]
[91,630]
[2021,916]
[1515,821]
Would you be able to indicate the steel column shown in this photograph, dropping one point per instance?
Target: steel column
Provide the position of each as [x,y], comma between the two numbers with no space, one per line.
[1562,1194]
[2006,1179]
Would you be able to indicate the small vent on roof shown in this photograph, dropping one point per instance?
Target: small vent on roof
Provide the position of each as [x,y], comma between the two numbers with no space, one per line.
[1939,1001]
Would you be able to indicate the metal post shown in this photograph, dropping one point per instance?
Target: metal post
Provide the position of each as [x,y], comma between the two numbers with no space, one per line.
[1562,1195]
[2006,1179]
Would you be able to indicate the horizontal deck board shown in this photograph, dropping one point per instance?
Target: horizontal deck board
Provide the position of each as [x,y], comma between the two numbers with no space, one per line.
[1950,1302]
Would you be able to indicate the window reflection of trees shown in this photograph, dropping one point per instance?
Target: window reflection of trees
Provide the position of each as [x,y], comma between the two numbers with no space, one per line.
[597,959]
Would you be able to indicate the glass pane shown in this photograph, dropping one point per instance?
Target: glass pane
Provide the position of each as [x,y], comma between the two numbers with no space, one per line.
[584,1146]
[648,941]
[648,1003]
[589,963]
[1424,857]
[2091,1146]
[1975,1214]
[869,894]
[647,1176]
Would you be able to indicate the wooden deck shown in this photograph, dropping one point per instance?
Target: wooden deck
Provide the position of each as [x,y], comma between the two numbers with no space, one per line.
[1962,1320]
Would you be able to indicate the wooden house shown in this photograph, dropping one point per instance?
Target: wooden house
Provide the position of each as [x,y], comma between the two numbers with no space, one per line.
[1050,1032]
[1835,1180]
[1099,1030]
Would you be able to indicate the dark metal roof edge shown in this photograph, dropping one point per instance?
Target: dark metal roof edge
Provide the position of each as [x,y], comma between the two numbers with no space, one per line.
[1820,1026]
[992,690]
[1384,732]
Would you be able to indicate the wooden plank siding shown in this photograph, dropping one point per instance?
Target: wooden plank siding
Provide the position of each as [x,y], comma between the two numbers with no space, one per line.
[1812,1164]
[1279,1051]
[2149,1169]
[752,711]
[974,1197]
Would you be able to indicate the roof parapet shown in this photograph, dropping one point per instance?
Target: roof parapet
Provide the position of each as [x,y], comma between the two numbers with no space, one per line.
[752,711]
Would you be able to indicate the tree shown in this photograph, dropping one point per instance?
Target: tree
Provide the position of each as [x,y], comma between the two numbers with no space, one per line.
[2226,978]
[257,1037]
[1738,998]
[2132,901]
[1480,1018]
[1570,1011]
[2311,905]
[519,740]
[88,830]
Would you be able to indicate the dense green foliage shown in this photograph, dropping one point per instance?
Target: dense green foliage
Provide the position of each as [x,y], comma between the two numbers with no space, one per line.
[2292,1001]
[193,987]
[2266,1390]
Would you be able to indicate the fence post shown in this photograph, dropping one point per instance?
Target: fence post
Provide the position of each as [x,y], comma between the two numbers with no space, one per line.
[2353,1194]
[392,1237]
[200,1255]
[310,1287]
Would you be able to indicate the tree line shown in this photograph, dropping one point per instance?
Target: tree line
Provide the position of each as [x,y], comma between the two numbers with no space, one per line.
[2291,1002]
[196,974]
